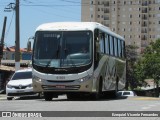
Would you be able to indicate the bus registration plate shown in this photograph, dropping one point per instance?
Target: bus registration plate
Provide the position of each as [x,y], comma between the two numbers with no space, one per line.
[61,86]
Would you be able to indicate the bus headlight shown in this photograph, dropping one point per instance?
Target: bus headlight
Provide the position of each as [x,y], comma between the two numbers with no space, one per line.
[88,77]
[37,79]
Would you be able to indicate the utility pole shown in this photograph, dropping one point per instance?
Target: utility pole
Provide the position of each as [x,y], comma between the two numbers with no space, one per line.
[9,8]
[17,38]
[2,39]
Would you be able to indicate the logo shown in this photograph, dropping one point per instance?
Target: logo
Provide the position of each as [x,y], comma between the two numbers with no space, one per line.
[6,114]
[60,77]
[20,86]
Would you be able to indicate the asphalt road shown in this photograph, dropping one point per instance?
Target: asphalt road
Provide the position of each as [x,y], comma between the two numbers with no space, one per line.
[133,104]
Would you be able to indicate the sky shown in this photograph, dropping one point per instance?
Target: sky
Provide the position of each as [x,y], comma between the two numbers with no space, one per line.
[36,12]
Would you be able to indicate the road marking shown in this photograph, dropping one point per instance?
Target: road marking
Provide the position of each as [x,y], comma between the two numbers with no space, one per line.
[152,105]
[145,108]
[145,98]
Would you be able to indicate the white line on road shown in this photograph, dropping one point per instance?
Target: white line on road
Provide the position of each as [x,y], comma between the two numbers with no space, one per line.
[152,105]
[145,108]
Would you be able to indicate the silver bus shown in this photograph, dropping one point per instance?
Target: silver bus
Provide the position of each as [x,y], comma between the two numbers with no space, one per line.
[77,59]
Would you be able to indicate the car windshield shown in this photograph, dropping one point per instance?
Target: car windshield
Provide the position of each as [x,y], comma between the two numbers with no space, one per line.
[126,93]
[22,75]
[62,49]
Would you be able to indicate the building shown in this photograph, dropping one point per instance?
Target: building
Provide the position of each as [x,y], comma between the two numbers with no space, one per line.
[9,53]
[138,21]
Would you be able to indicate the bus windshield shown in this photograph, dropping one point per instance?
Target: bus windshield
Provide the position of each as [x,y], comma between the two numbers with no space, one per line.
[62,49]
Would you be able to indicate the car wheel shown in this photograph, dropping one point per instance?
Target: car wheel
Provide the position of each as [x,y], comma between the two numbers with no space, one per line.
[9,98]
[40,95]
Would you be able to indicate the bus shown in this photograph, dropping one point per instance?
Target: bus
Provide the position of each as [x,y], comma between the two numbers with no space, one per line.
[77,59]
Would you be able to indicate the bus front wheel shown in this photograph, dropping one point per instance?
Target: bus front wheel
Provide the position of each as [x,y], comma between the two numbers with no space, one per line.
[98,94]
[48,96]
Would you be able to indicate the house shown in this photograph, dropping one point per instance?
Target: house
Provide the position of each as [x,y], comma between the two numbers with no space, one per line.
[9,53]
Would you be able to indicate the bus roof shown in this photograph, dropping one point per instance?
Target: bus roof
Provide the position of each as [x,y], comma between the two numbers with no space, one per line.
[75,26]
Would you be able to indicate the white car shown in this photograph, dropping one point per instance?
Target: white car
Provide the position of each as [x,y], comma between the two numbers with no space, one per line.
[20,84]
[126,93]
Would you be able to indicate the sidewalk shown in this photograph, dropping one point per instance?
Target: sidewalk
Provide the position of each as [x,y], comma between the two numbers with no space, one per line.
[3,97]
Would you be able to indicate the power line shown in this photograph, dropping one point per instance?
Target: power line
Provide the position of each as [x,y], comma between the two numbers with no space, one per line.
[54,14]
[47,5]
[52,6]
[70,1]
[28,1]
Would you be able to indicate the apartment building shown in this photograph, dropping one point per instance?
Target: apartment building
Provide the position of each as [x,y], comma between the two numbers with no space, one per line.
[138,21]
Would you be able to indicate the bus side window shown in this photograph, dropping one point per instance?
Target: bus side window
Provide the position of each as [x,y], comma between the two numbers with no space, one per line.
[115,47]
[123,49]
[102,43]
[119,48]
[107,44]
[111,45]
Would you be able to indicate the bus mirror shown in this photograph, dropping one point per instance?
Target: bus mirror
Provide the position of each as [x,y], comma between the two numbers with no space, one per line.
[29,43]
[96,34]
[29,46]
[97,39]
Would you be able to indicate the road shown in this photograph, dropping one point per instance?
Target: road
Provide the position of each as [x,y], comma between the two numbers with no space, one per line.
[62,104]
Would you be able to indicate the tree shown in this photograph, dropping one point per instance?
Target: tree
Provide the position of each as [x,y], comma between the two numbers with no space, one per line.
[131,57]
[149,65]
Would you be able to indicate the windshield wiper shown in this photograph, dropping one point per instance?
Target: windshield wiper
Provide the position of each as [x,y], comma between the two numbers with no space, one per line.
[57,56]
[58,51]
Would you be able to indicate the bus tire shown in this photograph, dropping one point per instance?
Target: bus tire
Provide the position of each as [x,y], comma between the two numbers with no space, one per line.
[72,97]
[98,94]
[116,88]
[48,96]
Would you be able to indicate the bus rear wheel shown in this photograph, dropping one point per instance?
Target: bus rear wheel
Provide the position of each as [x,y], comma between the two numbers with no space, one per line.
[48,96]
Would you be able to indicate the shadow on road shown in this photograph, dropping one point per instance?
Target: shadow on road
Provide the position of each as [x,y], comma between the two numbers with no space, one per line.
[28,98]
[85,99]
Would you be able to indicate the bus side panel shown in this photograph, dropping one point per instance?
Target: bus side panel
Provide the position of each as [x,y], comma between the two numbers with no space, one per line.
[110,70]
[121,73]
[99,72]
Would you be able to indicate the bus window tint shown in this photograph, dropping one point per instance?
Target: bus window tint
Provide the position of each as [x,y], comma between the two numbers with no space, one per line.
[119,48]
[111,45]
[115,47]
[122,44]
[106,44]
[45,42]
[101,45]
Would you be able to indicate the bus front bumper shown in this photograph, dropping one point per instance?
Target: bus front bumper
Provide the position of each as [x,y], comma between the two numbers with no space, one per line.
[82,85]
